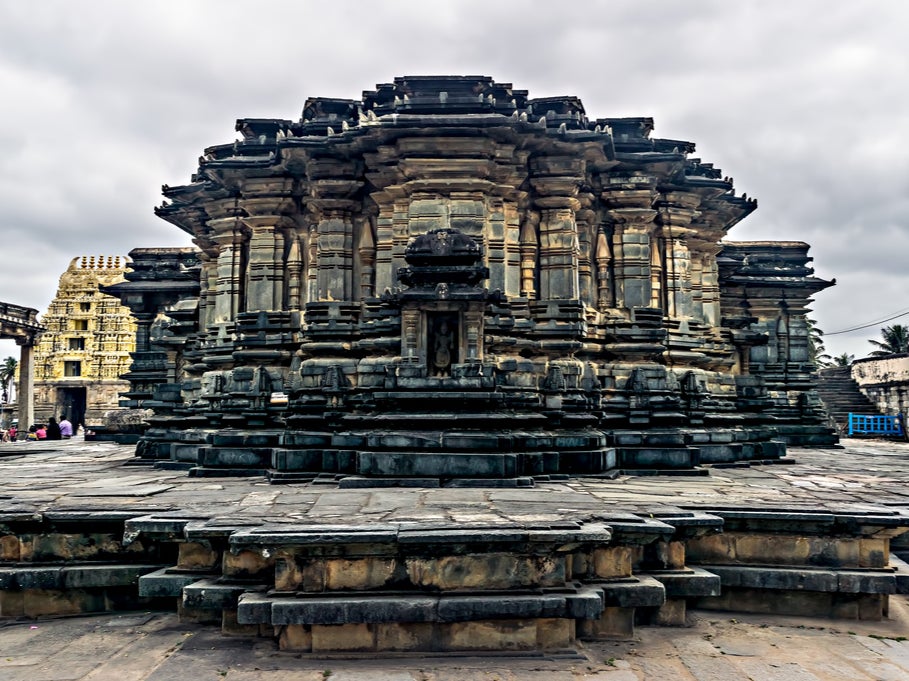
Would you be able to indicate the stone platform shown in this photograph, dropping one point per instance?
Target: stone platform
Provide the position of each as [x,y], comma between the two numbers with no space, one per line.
[327,570]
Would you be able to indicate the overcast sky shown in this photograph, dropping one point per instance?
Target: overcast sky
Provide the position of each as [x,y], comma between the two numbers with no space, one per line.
[805,104]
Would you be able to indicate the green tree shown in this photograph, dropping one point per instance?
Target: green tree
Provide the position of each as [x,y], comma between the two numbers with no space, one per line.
[894,341]
[7,375]
[816,350]
[843,360]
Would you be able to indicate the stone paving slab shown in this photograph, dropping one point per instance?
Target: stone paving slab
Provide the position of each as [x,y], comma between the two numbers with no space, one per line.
[74,475]
[156,647]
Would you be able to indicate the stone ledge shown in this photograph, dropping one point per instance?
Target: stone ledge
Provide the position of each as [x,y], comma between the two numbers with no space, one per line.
[805,579]
[254,608]
[71,577]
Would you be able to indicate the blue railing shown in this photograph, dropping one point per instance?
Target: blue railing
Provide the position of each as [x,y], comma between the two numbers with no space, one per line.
[860,424]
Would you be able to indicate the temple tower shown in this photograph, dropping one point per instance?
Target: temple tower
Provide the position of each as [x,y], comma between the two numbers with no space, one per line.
[79,360]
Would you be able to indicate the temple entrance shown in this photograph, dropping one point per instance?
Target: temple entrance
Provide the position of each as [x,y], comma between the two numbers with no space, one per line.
[71,403]
[442,342]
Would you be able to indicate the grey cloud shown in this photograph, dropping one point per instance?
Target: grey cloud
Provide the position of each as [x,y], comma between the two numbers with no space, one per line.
[804,103]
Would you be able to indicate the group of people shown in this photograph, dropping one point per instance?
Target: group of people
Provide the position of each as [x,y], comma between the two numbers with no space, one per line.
[52,430]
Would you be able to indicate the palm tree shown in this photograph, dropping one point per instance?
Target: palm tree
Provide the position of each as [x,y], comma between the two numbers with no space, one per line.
[816,350]
[7,374]
[895,341]
[843,360]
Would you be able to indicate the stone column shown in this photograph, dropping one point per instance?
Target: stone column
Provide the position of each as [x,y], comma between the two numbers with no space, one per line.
[585,219]
[677,210]
[366,250]
[294,274]
[335,250]
[555,183]
[603,260]
[229,268]
[633,218]
[529,250]
[26,389]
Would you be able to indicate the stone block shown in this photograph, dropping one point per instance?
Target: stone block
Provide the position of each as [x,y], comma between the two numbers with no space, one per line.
[197,555]
[65,546]
[231,627]
[554,634]
[246,564]
[614,623]
[498,570]
[611,562]
[779,549]
[12,603]
[41,602]
[190,614]
[9,548]
[642,591]
[352,609]
[488,636]
[164,583]
[689,583]
[359,574]
[437,464]
[295,638]
[350,638]
[211,593]
[404,637]
[671,613]
[874,552]
[667,555]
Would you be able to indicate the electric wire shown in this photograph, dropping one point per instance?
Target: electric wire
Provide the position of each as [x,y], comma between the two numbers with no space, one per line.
[869,324]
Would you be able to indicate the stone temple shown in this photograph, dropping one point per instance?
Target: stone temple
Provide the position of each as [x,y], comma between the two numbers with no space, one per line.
[86,345]
[449,282]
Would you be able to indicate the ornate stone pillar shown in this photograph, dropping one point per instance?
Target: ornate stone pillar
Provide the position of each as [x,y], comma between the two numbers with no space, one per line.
[229,288]
[586,220]
[334,277]
[366,250]
[294,274]
[631,212]
[677,210]
[603,260]
[529,250]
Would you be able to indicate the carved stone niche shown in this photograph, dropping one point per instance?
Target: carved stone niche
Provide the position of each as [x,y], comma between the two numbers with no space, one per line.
[442,306]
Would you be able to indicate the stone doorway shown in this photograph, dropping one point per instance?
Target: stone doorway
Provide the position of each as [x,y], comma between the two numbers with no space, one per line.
[442,342]
[71,403]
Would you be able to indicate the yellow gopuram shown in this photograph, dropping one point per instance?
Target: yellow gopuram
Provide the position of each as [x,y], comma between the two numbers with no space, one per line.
[87,345]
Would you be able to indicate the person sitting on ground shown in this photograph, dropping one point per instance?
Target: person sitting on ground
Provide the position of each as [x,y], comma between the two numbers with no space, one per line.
[53,429]
[41,431]
[66,428]
[32,433]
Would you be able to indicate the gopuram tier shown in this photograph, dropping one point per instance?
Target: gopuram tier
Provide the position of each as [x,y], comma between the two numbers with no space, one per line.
[447,281]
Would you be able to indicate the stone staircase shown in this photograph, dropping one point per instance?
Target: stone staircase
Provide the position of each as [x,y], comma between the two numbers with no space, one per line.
[841,394]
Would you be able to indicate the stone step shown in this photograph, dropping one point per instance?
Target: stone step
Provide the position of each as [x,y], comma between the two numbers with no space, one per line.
[407,607]
[658,457]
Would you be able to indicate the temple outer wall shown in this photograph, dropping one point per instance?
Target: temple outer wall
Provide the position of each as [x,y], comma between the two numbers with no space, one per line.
[884,381]
[100,398]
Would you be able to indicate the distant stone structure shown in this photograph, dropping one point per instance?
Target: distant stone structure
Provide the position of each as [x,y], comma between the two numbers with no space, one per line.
[448,280]
[21,324]
[87,345]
